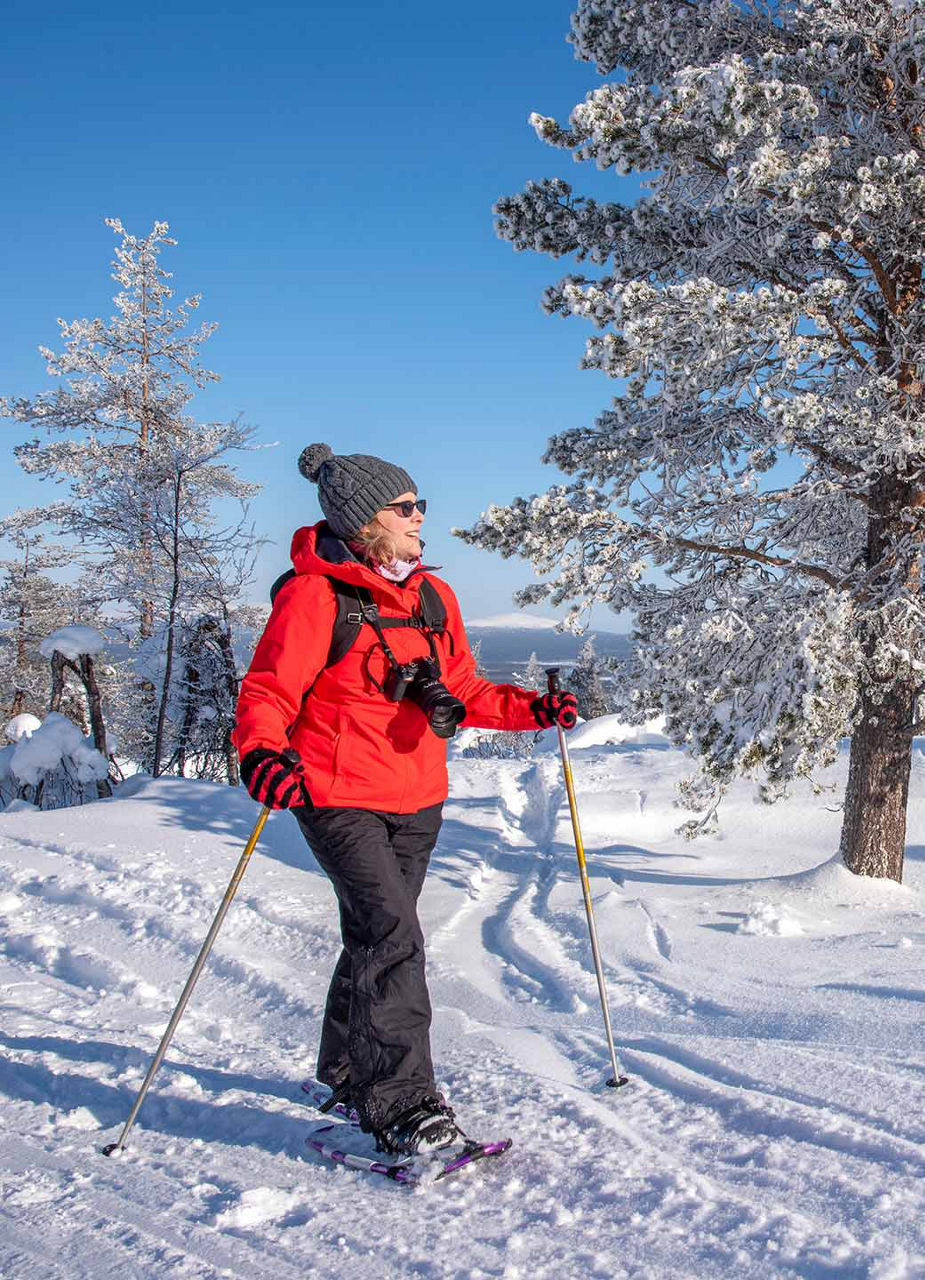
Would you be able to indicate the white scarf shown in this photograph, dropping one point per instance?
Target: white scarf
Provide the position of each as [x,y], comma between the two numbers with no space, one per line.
[398,570]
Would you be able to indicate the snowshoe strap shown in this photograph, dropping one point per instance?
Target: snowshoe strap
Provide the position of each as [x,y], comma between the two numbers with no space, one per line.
[340,1094]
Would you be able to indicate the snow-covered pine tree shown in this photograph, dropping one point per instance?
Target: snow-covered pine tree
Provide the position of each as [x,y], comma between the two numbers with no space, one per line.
[31,605]
[126,383]
[206,696]
[764,302]
[533,676]
[144,477]
[586,681]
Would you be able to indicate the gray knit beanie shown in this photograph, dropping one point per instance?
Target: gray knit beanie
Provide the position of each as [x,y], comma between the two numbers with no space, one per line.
[352,487]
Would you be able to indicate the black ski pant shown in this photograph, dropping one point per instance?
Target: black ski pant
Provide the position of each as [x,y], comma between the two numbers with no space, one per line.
[376,1029]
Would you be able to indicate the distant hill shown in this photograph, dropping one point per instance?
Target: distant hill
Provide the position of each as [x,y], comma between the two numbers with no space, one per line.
[506,648]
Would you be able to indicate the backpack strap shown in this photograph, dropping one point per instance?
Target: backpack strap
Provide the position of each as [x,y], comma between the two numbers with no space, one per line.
[348,621]
[433,610]
[356,606]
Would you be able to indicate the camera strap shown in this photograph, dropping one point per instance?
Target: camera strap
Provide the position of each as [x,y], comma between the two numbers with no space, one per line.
[369,612]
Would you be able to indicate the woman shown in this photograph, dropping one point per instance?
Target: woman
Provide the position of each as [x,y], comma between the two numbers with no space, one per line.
[355,744]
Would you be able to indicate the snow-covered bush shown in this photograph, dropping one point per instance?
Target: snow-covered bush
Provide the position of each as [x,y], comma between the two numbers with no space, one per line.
[53,766]
[498,744]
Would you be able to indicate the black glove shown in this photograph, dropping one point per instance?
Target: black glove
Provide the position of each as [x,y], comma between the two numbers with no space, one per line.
[275,778]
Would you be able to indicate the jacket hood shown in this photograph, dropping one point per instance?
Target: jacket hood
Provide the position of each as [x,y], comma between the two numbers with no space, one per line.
[315,549]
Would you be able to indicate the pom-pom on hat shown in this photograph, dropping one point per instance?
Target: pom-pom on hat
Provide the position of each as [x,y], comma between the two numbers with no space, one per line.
[352,487]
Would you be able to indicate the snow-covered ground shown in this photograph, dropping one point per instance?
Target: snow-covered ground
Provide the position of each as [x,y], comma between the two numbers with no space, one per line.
[769,1010]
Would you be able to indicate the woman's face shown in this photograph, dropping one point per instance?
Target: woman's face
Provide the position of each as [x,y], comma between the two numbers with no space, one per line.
[404,529]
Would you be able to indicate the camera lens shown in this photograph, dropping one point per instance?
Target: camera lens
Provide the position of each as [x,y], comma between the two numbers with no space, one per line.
[443,711]
[445,715]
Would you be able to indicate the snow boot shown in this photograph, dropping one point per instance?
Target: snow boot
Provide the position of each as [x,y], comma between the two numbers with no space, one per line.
[427,1126]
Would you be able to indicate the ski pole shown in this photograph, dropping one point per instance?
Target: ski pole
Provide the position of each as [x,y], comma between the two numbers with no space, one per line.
[617,1079]
[114,1147]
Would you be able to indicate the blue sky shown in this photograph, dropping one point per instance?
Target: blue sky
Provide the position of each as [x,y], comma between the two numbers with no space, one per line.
[329,173]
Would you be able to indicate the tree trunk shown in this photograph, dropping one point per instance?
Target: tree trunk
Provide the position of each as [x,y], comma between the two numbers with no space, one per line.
[873,837]
[147,557]
[88,678]
[233,684]
[57,681]
[171,631]
[95,702]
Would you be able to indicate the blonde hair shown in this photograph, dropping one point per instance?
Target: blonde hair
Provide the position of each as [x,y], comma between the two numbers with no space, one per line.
[375,543]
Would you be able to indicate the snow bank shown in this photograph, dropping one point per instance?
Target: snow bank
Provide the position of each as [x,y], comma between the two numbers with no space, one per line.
[464,738]
[73,642]
[604,731]
[832,881]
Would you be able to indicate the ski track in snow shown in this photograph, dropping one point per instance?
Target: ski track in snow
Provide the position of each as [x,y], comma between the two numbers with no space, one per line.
[773,1125]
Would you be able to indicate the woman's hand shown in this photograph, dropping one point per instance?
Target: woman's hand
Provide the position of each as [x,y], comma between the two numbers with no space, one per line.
[555,708]
[275,778]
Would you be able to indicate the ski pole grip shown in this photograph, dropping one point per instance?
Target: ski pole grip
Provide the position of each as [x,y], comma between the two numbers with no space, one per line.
[291,755]
[552,679]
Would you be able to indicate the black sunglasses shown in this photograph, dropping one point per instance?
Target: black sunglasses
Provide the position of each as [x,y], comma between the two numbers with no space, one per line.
[407,508]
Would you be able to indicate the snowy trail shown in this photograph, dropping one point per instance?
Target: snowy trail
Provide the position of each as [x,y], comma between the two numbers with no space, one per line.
[771,1026]
[519,936]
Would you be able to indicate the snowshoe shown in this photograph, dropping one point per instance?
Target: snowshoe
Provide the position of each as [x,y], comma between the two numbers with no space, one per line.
[343,1142]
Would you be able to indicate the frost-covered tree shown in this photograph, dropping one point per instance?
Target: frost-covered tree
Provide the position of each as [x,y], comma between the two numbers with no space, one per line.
[209,680]
[477,659]
[533,676]
[764,304]
[188,548]
[125,385]
[206,696]
[511,743]
[31,605]
[586,681]
[147,482]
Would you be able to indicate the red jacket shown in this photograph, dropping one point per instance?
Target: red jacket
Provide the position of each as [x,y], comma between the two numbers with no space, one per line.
[359,749]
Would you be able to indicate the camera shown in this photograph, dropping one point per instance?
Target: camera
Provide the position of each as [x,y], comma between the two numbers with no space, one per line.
[420,681]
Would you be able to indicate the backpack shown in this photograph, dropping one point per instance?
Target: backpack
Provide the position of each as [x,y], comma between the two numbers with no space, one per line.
[355,605]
